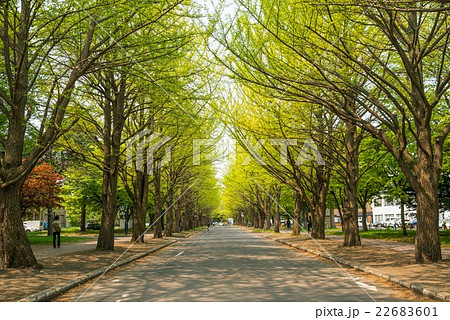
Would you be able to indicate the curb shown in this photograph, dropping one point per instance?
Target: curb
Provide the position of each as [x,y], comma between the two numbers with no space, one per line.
[442,296]
[55,291]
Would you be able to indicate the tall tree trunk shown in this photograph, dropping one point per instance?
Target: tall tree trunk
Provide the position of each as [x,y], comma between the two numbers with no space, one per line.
[252,216]
[157,230]
[140,202]
[260,218]
[277,222]
[350,214]
[169,215]
[318,221]
[332,222]
[267,208]
[139,215]
[319,205]
[15,250]
[83,218]
[297,209]
[267,223]
[427,243]
[177,218]
[114,121]
[49,221]
[191,220]
[364,217]
[402,216]
[303,217]
[426,170]
[185,216]
[105,239]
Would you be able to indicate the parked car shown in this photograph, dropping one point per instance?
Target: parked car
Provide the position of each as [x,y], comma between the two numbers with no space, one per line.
[377,224]
[29,228]
[390,222]
[93,226]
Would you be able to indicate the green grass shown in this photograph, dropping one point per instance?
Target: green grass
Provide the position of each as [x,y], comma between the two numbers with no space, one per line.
[43,239]
[75,231]
[261,230]
[187,233]
[394,235]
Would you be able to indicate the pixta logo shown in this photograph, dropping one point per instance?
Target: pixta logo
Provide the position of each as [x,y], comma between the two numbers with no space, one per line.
[143,151]
[308,151]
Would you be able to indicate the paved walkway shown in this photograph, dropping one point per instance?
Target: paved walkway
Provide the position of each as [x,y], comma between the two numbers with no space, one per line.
[399,246]
[231,264]
[388,258]
[404,247]
[47,251]
[59,266]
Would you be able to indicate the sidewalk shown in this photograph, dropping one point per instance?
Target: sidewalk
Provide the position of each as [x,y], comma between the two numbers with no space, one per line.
[404,247]
[42,252]
[46,251]
[388,259]
[63,265]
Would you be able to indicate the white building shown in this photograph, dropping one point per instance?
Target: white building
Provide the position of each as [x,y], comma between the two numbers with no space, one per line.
[383,209]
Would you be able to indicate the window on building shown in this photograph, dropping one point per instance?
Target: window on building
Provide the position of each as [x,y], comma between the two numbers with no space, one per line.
[377,202]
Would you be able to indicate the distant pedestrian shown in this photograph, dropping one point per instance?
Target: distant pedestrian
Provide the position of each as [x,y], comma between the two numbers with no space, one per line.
[444,224]
[56,227]
[207,225]
[288,223]
[309,222]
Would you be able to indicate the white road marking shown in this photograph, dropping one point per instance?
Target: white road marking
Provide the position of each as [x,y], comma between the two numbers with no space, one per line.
[125,295]
[179,254]
[354,278]
[118,300]
[366,286]
[116,280]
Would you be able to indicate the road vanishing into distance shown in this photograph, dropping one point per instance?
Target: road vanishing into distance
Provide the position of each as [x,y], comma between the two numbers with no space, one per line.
[232,264]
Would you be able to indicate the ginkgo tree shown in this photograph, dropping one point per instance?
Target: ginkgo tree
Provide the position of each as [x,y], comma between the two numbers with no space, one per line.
[393,79]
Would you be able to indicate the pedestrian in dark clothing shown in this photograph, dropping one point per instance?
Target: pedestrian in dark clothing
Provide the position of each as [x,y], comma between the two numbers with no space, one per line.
[288,223]
[56,227]
[309,224]
[207,225]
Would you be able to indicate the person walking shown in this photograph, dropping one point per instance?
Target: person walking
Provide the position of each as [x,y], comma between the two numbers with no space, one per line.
[444,224]
[56,227]
[207,225]
[309,222]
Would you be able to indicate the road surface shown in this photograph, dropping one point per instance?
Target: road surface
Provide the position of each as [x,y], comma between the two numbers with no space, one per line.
[231,264]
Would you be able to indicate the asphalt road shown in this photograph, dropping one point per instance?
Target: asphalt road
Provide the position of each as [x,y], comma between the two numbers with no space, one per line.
[229,264]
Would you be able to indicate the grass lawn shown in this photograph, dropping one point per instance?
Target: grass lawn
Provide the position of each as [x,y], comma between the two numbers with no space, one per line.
[261,230]
[35,238]
[394,235]
[75,231]
[73,234]
[187,233]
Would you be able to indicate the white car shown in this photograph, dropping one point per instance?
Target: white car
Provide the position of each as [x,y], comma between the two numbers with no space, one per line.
[390,222]
[29,228]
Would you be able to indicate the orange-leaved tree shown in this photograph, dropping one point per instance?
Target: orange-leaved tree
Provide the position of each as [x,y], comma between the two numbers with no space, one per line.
[42,188]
